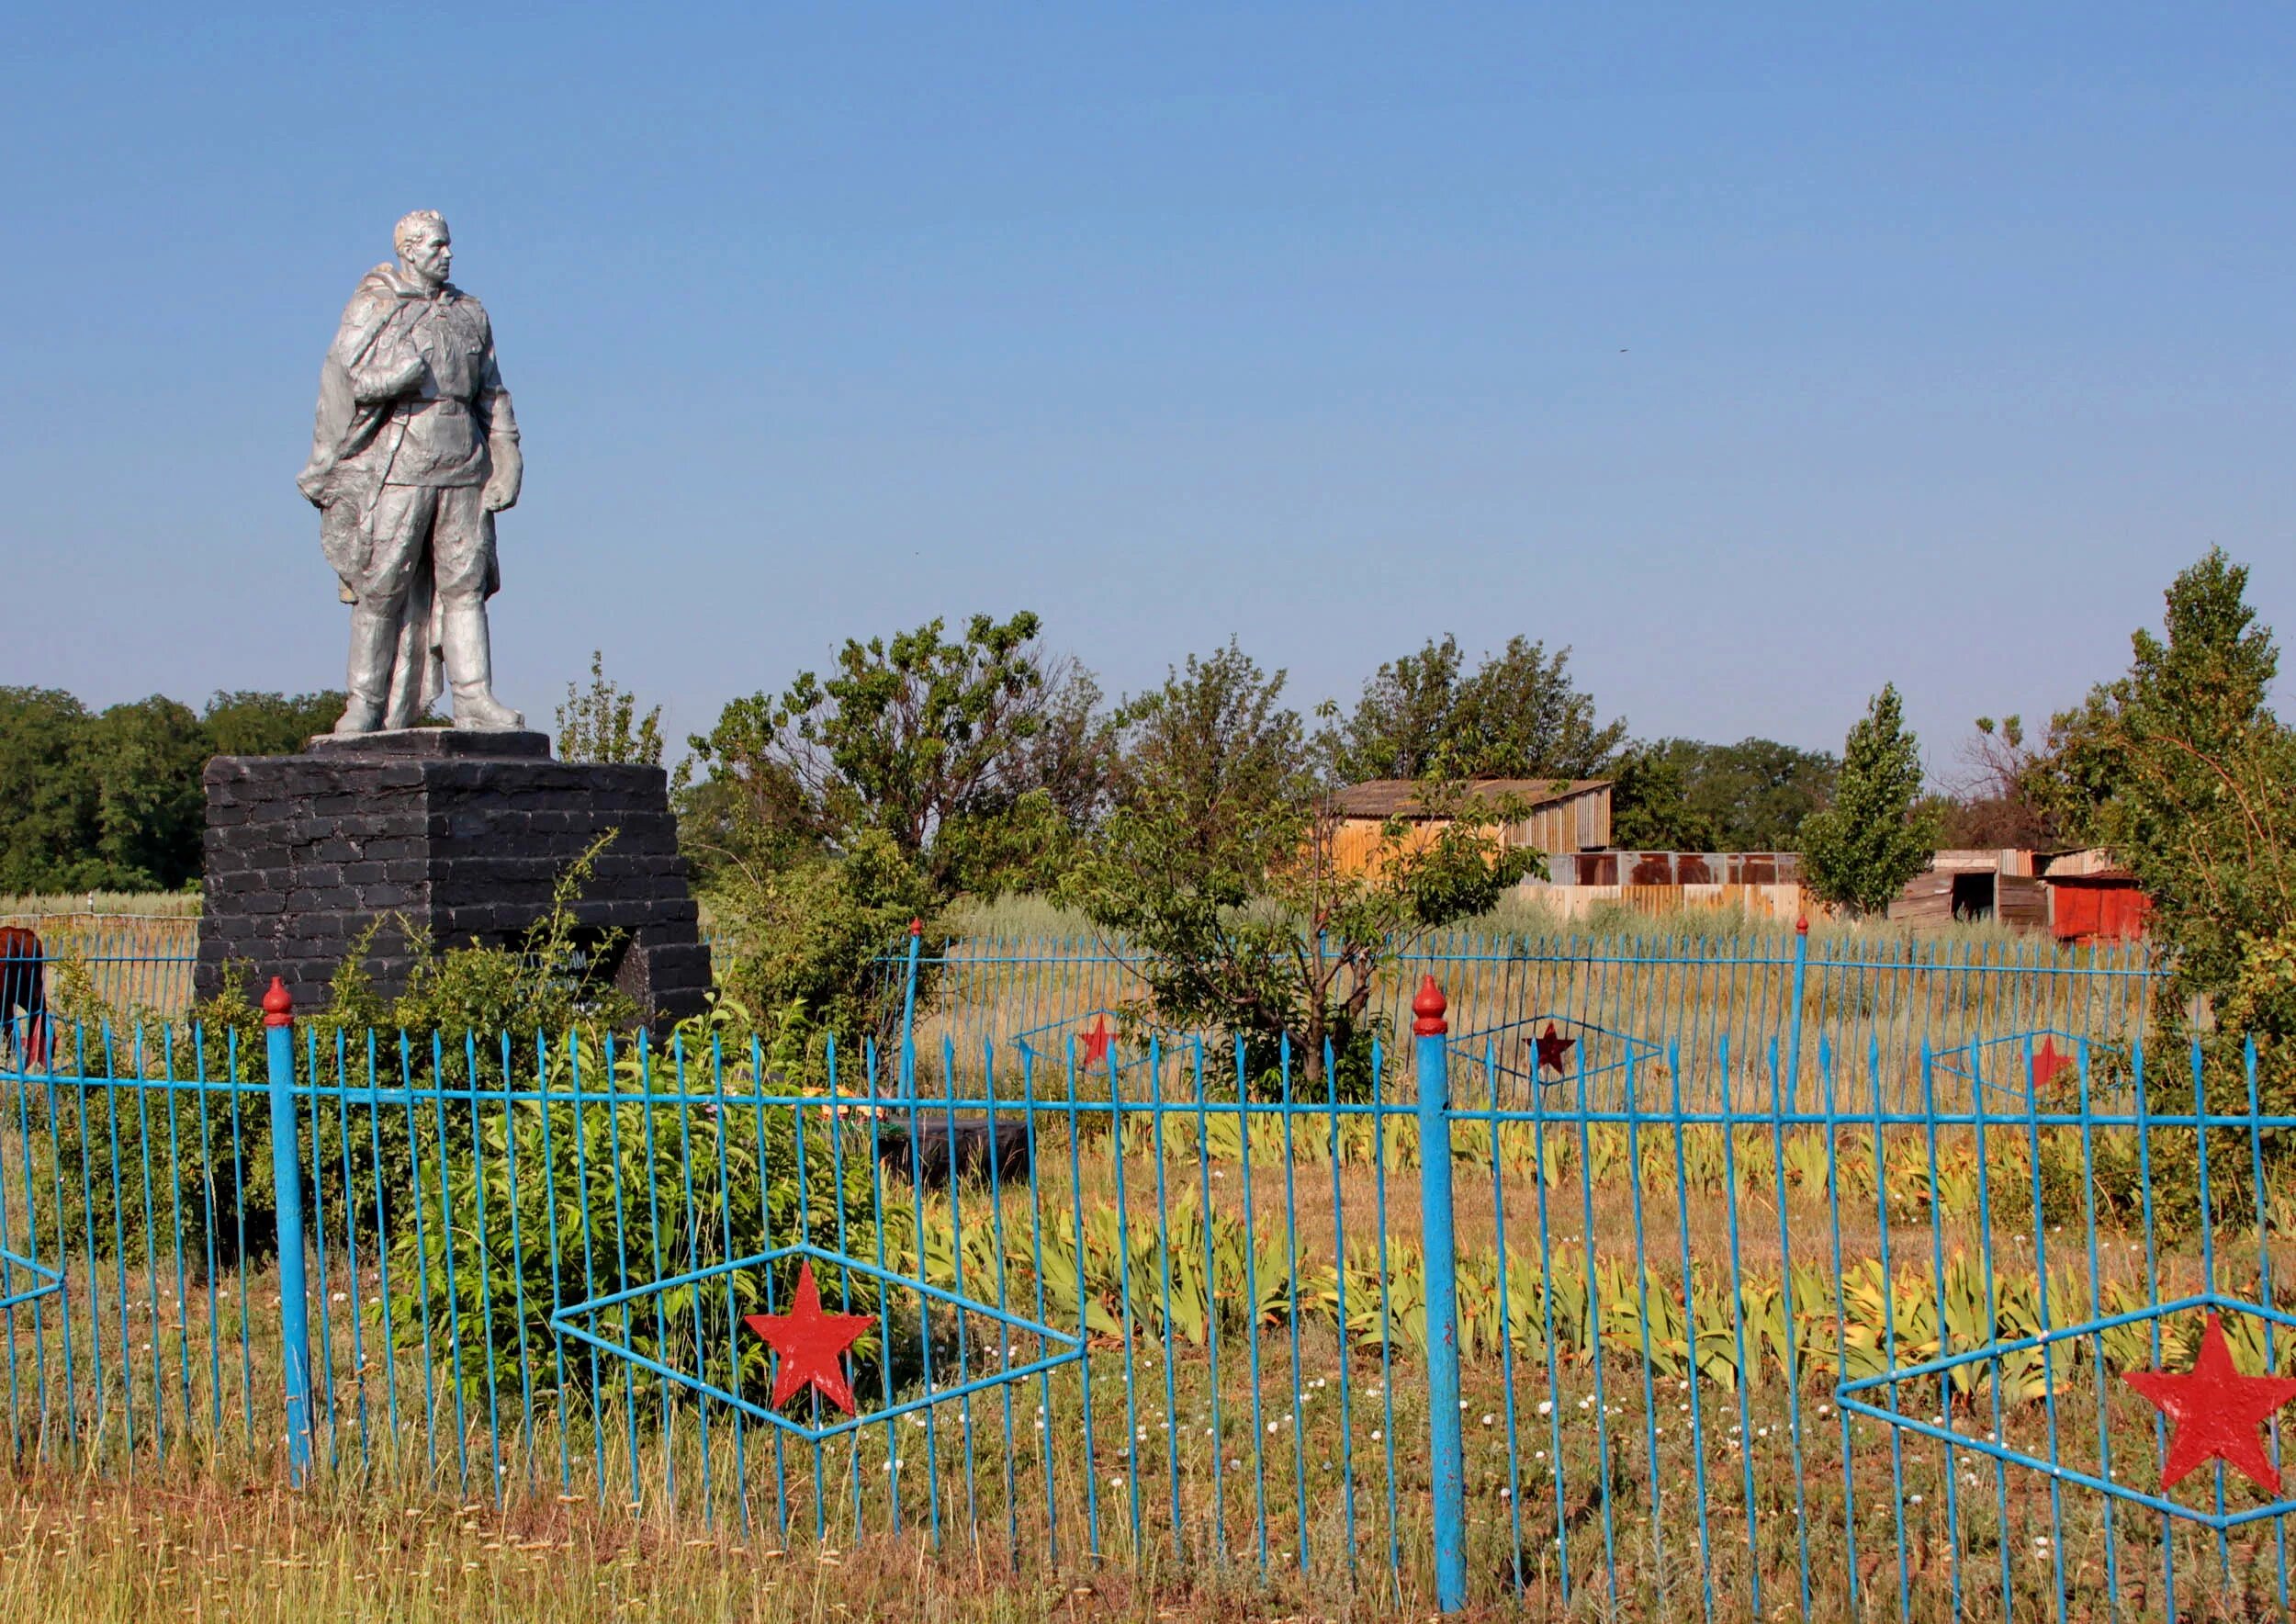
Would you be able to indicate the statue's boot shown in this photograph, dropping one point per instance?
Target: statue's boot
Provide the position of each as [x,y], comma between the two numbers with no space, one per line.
[470,671]
[369,677]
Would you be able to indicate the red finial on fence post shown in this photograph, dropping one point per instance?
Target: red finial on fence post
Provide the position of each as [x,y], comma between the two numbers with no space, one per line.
[917,926]
[1429,1007]
[1801,926]
[278,1005]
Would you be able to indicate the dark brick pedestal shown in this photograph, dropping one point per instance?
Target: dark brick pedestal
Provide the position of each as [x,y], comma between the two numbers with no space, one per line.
[459,834]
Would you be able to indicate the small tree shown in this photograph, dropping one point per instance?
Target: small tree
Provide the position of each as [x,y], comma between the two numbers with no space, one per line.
[977,757]
[1222,864]
[2182,768]
[603,725]
[1859,851]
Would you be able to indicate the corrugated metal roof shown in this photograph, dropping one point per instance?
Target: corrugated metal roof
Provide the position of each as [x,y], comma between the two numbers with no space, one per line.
[1398,797]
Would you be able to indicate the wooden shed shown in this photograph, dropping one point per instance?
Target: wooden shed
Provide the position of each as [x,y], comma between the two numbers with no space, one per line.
[1964,887]
[1563,815]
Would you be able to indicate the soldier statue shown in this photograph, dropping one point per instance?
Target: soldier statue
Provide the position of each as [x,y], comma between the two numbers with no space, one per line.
[415,451]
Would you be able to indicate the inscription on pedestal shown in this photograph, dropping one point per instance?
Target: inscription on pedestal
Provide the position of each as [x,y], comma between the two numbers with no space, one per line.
[462,835]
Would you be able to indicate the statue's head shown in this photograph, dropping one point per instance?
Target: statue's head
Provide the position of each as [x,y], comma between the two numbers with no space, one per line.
[425,248]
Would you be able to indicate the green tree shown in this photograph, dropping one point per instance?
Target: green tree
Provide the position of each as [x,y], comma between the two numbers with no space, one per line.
[2182,768]
[151,808]
[602,723]
[1651,809]
[1517,715]
[1877,833]
[1220,864]
[48,840]
[258,724]
[977,758]
[2201,773]
[112,800]
[1755,792]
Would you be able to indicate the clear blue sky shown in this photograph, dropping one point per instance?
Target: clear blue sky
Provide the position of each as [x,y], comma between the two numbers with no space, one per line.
[1759,357]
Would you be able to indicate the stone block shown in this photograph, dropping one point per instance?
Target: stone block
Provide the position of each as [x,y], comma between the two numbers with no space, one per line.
[461,835]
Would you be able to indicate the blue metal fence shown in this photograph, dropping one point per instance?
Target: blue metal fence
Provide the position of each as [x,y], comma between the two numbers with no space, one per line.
[1654,983]
[1659,1326]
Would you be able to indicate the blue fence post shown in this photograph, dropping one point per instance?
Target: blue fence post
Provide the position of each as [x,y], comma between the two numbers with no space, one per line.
[1446,1456]
[286,1177]
[908,1013]
[1794,1031]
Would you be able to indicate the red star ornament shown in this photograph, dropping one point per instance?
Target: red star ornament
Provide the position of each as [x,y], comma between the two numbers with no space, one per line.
[2217,1411]
[1097,1041]
[810,1343]
[1554,1050]
[2049,1060]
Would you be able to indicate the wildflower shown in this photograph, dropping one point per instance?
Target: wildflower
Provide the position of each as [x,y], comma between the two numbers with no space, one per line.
[1489,1417]
[1546,1405]
[1375,1436]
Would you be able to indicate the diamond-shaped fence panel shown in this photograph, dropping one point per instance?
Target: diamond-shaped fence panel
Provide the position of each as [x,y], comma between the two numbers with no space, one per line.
[920,1346]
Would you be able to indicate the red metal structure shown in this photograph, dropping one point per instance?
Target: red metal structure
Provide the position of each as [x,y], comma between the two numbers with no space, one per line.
[23,992]
[2102,904]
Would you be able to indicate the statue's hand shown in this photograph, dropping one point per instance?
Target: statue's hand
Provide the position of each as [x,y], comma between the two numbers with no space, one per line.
[372,385]
[508,472]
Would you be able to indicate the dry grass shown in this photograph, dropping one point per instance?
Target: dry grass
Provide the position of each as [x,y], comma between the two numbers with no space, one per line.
[82,1550]
[114,905]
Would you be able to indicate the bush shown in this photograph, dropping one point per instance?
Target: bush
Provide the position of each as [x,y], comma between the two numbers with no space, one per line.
[813,946]
[563,1203]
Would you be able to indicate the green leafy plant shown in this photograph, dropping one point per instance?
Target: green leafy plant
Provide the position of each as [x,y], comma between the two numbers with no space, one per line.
[558,1202]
